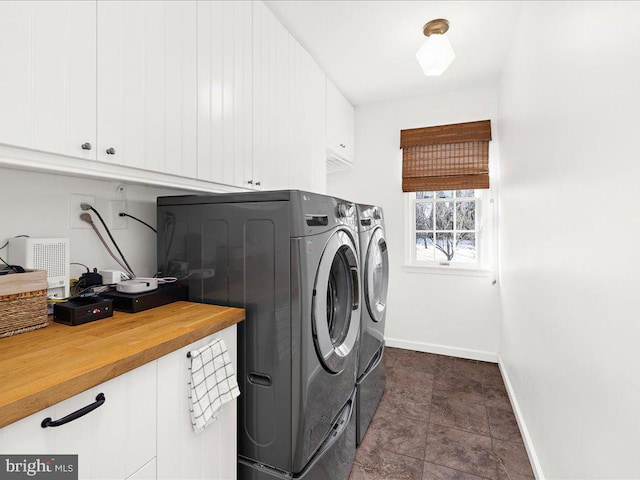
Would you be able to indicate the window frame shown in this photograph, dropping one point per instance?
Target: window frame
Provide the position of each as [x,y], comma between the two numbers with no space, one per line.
[483,248]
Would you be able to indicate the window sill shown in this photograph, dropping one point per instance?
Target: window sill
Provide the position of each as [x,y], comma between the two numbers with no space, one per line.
[447,270]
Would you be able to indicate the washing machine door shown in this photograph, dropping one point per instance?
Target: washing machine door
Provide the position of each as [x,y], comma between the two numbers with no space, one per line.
[376,275]
[336,303]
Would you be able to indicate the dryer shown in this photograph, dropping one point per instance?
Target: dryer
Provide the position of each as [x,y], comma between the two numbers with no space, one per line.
[291,259]
[375,281]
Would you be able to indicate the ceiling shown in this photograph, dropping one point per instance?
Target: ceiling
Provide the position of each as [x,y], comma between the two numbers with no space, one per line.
[367,47]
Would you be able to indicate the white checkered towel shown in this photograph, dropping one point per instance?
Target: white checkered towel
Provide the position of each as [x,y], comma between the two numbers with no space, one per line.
[212,383]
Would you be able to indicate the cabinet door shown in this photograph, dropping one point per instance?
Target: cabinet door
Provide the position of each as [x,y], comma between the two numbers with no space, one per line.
[299,135]
[271,100]
[307,109]
[148,472]
[318,117]
[127,430]
[340,135]
[113,441]
[147,54]
[48,76]
[182,453]
[224,92]
[289,138]
[27,437]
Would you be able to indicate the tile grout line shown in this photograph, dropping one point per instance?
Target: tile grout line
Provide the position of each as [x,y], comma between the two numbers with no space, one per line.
[426,440]
[463,430]
[461,471]
[493,449]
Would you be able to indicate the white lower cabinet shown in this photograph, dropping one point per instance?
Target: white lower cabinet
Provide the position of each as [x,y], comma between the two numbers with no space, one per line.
[182,453]
[143,429]
[114,441]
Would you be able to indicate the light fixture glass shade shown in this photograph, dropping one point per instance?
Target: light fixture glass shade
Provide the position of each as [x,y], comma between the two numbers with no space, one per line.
[435,55]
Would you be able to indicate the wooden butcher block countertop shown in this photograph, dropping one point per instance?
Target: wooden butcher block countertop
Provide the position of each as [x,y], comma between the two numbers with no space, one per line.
[41,368]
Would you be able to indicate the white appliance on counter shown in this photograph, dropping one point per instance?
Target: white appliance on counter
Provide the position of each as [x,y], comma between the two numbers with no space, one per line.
[50,254]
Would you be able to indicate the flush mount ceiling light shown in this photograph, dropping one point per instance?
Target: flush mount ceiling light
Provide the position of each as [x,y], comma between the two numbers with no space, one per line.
[436,54]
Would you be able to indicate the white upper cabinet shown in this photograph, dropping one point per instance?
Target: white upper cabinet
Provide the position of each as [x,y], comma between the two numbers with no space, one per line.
[225,93]
[178,93]
[48,76]
[147,54]
[260,101]
[271,95]
[340,123]
[288,108]
[307,109]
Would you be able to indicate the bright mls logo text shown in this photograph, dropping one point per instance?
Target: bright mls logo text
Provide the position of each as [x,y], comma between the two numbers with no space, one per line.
[60,467]
[30,468]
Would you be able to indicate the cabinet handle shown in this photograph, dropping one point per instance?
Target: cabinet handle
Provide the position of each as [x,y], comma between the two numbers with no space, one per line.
[47,422]
[86,146]
[258,184]
[111,151]
[250,182]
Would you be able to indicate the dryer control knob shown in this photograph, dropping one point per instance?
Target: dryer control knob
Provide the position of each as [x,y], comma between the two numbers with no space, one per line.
[376,214]
[344,210]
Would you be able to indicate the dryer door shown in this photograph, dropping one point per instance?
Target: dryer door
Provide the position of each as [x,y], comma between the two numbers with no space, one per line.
[376,276]
[336,303]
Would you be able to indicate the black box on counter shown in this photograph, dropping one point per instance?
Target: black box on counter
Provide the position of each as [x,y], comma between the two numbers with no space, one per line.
[82,310]
[138,302]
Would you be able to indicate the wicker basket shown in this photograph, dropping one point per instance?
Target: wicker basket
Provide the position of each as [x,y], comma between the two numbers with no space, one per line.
[23,302]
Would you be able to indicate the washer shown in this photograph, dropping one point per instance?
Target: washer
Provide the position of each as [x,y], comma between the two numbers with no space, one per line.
[291,259]
[375,282]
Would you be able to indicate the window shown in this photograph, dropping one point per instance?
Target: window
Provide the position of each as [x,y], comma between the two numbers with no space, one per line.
[446,228]
[445,177]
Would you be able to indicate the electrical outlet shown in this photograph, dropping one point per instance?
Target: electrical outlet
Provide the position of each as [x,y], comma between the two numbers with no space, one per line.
[75,210]
[118,222]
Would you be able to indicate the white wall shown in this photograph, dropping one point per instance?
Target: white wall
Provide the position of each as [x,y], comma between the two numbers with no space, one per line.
[569,111]
[456,315]
[38,205]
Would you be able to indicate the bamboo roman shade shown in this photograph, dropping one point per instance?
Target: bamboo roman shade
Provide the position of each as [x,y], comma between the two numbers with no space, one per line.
[446,157]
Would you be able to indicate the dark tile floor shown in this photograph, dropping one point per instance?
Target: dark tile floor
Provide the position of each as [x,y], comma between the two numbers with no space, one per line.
[442,418]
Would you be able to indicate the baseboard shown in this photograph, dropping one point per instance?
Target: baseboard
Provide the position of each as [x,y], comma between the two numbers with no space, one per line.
[531,451]
[443,350]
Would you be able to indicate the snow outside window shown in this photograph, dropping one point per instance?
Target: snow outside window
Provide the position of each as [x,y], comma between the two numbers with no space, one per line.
[447,228]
